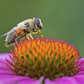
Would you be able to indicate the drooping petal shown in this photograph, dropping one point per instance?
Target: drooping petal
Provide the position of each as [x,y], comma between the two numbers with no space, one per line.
[63,80]
[7,79]
[47,81]
[33,82]
[82,66]
[79,79]
[2,64]
[81,60]
[4,70]
[5,55]
[7,73]
[3,61]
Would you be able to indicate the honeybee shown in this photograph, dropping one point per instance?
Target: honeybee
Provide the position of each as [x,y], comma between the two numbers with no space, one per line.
[22,30]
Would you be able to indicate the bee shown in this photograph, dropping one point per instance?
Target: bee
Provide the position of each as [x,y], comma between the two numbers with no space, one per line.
[22,30]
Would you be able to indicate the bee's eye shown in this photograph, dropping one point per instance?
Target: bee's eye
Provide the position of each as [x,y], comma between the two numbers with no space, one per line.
[37,21]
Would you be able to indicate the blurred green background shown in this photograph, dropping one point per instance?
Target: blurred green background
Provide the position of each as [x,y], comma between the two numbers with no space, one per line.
[62,19]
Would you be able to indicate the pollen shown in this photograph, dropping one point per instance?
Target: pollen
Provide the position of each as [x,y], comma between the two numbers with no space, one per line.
[46,57]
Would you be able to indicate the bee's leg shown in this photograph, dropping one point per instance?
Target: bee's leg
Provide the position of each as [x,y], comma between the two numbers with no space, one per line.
[39,32]
[30,36]
[17,40]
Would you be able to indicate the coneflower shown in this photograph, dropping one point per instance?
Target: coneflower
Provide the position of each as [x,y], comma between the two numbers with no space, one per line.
[42,61]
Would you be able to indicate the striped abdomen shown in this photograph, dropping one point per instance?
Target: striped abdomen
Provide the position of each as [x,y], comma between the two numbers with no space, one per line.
[10,39]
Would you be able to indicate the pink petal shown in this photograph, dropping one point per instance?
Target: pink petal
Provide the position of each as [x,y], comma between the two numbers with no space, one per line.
[81,70]
[32,82]
[63,80]
[3,61]
[8,79]
[79,79]
[47,81]
[7,73]
[81,73]
[5,55]
[3,68]
[81,60]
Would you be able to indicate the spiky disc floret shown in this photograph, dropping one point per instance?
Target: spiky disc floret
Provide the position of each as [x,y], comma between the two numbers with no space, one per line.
[44,57]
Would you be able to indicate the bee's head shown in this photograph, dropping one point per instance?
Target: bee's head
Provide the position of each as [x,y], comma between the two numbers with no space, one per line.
[38,23]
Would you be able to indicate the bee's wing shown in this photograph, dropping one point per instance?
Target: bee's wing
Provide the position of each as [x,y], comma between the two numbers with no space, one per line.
[15,28]
[5,34]
[9,31]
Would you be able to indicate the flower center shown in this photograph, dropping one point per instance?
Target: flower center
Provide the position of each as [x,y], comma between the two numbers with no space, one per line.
[44,57]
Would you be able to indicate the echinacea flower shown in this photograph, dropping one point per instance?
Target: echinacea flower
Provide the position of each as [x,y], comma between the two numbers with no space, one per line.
[42,61]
